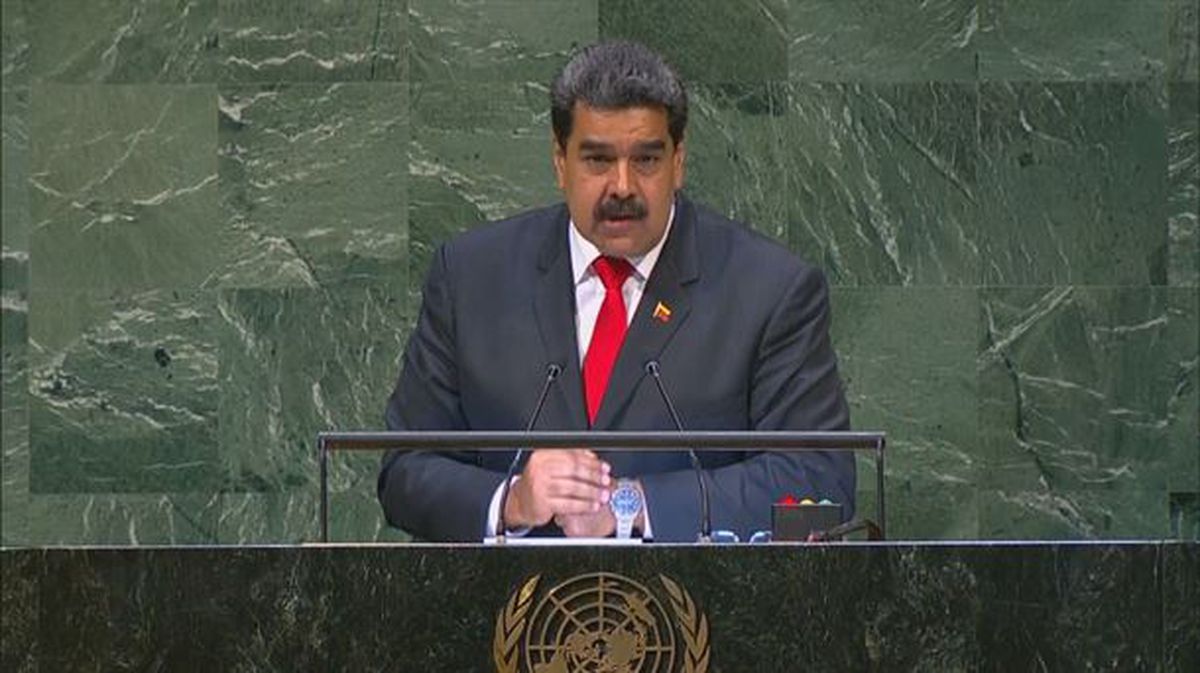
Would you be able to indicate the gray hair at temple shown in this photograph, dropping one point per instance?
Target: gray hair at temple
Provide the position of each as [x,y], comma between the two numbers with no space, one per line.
[617,75]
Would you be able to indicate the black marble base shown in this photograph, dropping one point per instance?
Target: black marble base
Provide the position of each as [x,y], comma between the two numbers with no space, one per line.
[859,607]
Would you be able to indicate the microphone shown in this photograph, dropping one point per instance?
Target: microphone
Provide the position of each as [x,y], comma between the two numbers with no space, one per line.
[705,514]
[552,372]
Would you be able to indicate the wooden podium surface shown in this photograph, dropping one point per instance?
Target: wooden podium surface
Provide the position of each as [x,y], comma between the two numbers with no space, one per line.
[1128,606]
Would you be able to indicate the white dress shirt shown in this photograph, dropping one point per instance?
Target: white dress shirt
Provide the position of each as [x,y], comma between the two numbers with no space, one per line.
[589,296]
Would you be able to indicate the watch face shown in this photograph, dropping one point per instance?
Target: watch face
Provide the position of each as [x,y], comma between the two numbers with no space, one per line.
[626,501]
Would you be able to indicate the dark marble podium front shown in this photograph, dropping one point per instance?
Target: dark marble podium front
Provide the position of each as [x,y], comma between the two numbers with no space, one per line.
[855,607]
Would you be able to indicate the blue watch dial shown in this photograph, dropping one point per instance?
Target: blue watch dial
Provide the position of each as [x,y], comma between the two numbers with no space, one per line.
[626,501]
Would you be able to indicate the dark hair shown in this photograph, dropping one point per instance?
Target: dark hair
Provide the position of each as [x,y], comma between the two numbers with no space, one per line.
[613,76]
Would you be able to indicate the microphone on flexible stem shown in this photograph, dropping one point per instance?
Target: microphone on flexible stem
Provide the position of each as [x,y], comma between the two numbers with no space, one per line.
[552,372]
[705,515]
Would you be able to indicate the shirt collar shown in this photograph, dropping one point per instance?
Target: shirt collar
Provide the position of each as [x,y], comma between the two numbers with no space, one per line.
[583,253]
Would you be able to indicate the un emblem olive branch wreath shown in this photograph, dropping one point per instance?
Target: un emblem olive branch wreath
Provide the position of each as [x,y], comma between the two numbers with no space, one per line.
[510,624]
[693,624]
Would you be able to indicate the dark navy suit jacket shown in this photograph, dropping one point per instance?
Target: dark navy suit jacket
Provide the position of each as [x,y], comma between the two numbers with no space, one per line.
[746,348]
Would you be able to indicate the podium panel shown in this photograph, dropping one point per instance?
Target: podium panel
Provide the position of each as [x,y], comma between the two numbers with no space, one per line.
[861,607]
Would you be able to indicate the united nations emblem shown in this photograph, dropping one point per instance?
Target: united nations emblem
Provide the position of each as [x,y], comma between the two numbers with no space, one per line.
[600,623]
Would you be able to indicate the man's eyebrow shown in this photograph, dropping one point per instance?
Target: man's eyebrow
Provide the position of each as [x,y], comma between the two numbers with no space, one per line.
[651,146]
[594,146]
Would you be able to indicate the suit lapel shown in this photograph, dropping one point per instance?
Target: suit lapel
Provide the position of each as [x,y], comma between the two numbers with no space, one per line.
[554,309]
[651,329]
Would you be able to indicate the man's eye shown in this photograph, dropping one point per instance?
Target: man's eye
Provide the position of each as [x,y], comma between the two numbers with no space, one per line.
[598,160]
[648,160]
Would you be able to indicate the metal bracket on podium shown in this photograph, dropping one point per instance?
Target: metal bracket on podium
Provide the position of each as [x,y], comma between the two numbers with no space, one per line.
[328,442]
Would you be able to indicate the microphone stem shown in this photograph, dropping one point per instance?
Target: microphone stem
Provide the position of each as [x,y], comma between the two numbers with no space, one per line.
[705,514]
[552,373]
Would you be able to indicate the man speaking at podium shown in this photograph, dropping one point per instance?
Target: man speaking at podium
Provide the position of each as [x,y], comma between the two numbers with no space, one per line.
[625,273]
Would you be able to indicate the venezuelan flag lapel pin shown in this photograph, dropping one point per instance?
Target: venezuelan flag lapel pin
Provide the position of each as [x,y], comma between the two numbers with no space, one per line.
[662,312]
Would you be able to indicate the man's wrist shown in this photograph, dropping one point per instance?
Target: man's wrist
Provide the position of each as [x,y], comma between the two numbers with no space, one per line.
[494,517]
[512,509]
[627,504]
[514,513]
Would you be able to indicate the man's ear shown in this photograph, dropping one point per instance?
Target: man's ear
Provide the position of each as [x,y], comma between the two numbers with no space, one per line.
[680,164]
[559,156]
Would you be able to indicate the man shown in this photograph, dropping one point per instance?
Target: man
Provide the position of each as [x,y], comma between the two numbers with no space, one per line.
[627,271]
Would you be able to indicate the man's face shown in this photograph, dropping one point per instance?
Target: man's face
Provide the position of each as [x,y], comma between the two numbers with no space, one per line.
[619,173]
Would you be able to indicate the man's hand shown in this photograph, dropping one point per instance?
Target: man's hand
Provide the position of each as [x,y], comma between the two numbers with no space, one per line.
[598,524]
[559,482]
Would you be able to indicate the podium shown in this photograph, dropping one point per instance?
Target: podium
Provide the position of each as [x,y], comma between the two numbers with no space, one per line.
[872,442]
[663,608]
[782,607]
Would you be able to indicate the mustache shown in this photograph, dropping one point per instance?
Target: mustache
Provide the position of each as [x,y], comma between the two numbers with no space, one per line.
[621,209]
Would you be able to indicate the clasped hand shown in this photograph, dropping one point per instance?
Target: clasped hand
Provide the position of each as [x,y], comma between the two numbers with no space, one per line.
[572,487]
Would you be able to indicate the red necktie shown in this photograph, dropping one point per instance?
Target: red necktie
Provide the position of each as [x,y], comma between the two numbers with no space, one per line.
[609,332]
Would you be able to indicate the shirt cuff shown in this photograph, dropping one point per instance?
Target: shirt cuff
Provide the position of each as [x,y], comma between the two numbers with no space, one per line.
[493,516]
[647,529]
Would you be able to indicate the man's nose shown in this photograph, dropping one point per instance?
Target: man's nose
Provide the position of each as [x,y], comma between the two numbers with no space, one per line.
[622,185]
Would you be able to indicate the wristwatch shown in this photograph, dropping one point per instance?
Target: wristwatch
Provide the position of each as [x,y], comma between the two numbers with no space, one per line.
[626,503]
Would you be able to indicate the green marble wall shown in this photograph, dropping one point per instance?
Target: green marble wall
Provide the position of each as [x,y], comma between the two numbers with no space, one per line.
[217,213]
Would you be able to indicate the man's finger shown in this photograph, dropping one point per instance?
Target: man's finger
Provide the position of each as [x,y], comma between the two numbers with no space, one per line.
[574,506]
[576,490]
[589,475]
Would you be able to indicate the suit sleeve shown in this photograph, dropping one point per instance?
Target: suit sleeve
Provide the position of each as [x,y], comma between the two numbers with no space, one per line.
[433,495]
[794,385]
